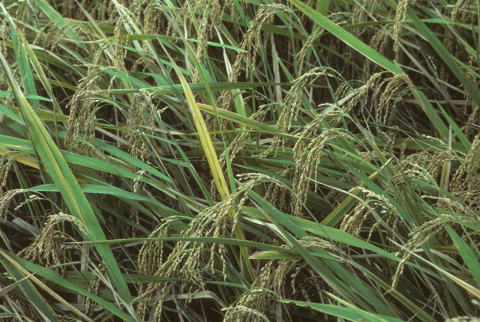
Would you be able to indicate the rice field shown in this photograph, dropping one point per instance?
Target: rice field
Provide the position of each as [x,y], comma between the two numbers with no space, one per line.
[239,160]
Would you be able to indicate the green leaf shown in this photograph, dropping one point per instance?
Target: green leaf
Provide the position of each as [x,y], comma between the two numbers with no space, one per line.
[11,114]
[467,254]
[465,142]
[109,190]
[351,313]
[347,37]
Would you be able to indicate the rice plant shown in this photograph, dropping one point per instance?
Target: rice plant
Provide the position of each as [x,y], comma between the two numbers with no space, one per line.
[239,160]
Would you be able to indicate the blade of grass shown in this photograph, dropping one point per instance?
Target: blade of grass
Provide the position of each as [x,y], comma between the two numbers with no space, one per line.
[35,298]
[347,37]
[467,254]
[349,313]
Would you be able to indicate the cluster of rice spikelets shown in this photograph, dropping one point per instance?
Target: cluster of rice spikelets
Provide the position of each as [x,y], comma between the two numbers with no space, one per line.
[305,167]
[47,248]
[265,13]
[6,164]
[80,137]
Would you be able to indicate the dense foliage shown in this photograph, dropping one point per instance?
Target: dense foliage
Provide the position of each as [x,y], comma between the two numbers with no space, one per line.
[239,160]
